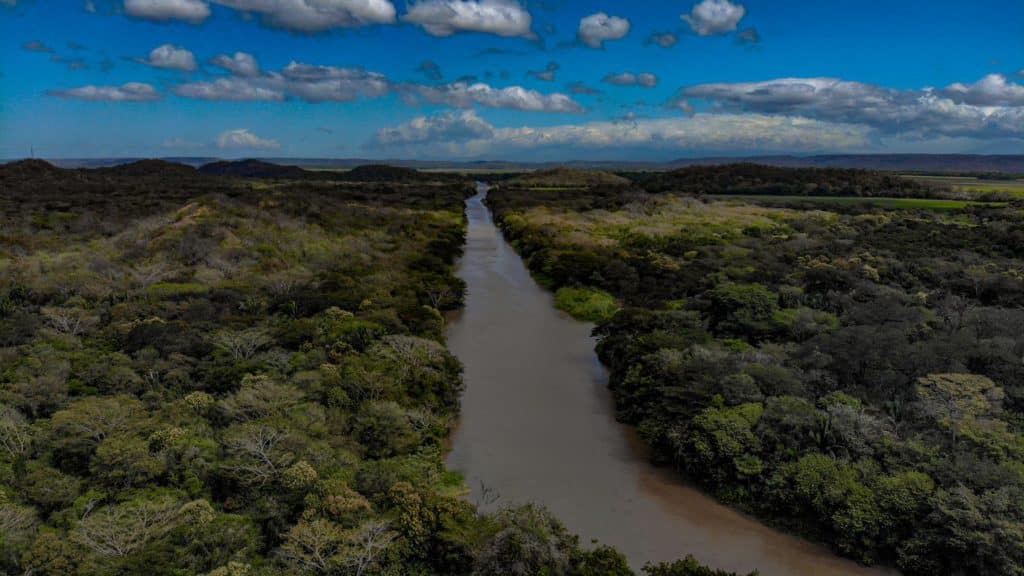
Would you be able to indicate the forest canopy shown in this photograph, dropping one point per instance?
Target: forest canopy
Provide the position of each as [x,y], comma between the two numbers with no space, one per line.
[851,372]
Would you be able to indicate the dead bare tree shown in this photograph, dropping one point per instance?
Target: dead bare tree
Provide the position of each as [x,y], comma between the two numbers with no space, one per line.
[367,544]
[256,459]
[15,433]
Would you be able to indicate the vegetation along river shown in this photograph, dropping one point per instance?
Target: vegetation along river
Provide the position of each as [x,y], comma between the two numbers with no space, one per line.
[538,425]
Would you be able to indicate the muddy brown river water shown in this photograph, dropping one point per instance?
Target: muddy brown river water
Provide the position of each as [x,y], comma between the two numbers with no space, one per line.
[538,425]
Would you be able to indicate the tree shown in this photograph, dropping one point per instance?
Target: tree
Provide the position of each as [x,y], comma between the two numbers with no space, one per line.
[365,545]
[119,530]
[15,432]
[313,545]
[260,397]
[385,430]
[954,399]
[686,567]
[256,456]
[241,345]
[529,541]
[94,419]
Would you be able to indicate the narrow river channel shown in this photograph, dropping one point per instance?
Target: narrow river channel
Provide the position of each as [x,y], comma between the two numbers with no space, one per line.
[538,425]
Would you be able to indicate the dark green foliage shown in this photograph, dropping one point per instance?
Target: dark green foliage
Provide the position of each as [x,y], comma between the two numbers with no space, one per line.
[216,377]
[759,179]
[686,567]
[854,376]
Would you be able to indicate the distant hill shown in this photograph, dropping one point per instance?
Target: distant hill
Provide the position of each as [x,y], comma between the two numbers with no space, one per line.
[25,169]
[147,168]
[952,163]
[563,177]
[254,169]
[1013,164]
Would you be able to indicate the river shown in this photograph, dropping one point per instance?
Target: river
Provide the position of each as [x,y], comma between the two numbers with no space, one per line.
[538,425]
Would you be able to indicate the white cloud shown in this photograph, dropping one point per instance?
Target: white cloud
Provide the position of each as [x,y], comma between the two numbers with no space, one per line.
[329,83]
[597,28]
[191,11]
[241,64]
[447,17]
[304,81]
[170,57]
[316,15]
[919,113]
[232,89]
[447,127]
[992,90]
[466,95]
[703,132]
[644,80]
[130,92]
[714,17]
[243,139]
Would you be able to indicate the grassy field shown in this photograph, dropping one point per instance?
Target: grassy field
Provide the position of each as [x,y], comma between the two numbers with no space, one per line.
[975,185]
[887,203]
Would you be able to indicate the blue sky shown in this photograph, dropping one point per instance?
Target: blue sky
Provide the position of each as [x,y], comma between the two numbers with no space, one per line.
[558,79]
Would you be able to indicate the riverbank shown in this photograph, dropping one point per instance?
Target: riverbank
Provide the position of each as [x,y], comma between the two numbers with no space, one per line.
[538,425]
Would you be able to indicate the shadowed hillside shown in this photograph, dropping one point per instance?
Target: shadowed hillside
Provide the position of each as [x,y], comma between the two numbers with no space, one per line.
[255,169]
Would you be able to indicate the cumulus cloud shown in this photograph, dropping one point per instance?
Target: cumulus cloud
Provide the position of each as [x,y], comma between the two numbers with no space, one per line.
[130,92]
[466,95]
[992,90]
[241,64]
[447,17]
[234,89]
[316,15]
[663,39]
[328,83]
[643,80]
[547,74]
[990,107]
[37,46]
[191,11]
[714,17]
[598,28]
[447,127]
[313,83]
[294,15]
[243,139]
[304,81]
[702,132]
[170,57]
